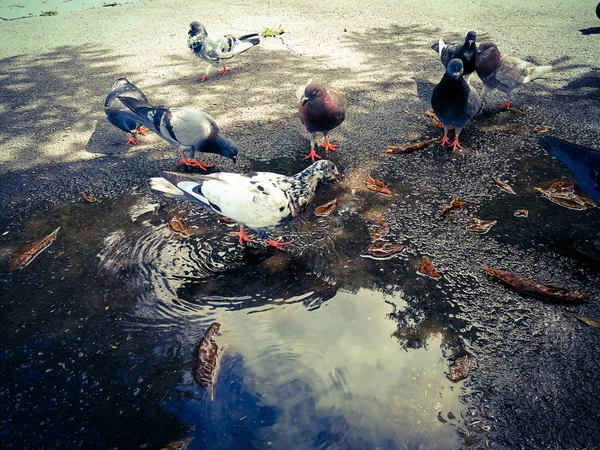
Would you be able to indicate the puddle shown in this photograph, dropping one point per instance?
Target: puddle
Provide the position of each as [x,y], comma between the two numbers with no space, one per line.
[317,355]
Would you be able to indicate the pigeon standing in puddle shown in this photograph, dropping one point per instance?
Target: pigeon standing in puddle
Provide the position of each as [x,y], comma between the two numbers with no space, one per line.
[259,200]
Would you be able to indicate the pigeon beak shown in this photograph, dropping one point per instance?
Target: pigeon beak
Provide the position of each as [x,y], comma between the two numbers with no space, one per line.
[471,43]
[234,159]
[303,100]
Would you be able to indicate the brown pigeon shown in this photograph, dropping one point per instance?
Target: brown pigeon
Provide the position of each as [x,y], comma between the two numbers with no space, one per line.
[321,110]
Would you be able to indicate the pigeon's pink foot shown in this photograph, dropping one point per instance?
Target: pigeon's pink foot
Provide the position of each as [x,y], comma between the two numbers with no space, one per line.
[243,237]
[224,71]
[131,140]
[312,155]
[142,130]
[445,141]
[329,146]
[505,105]
[202,78]
[195,163]
[279,245]
[455,144]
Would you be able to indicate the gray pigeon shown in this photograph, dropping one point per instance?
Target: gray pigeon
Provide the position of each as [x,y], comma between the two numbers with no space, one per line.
[119,115]
[320,110]
[259,200]
[504,73]
[214,49]
[454,102]
[187,129]
[466,52]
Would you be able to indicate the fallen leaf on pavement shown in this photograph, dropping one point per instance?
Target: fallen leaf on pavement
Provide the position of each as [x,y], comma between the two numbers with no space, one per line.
[377,186]
[89,198]
[563,193]
[460,369]
[410,147]
[23,257]
[428,270]
[179,225]
[543,291]
[480,226]
[504,186]
[454,205]
[327,208]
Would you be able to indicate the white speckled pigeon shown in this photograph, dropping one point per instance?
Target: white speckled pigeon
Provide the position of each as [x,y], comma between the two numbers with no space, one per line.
[504,73]
[258,200]
[119,115]
[215,49]
[321,110]
[185,128]
[454,102]
[466,52]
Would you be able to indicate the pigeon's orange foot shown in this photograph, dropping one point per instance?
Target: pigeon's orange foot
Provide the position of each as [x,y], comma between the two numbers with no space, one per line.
[455,144]
[445,141]
[202,78]
[195,163]
[243,237]
[131,140]
[142,130]
[279,245]
[224,71]
[329,146]
[505,105]
[312,155]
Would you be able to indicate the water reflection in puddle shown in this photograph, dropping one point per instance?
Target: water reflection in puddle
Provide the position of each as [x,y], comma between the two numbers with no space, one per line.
[334,377]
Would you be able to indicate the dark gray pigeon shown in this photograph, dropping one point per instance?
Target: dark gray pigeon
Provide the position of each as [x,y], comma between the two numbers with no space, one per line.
[321,110]
[454,102]
[466,52]
[187,129]
[119,115]
[504,73]
[259,200]
[583,162]
[215,49]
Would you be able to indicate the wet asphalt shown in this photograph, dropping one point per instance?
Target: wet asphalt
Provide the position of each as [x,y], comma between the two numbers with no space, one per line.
[537,377]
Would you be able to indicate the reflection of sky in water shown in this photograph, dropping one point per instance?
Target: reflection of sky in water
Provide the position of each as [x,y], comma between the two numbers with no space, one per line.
[332,377]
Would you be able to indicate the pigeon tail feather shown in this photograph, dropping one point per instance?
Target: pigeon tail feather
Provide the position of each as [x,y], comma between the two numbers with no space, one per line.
[163,187]
[537,72]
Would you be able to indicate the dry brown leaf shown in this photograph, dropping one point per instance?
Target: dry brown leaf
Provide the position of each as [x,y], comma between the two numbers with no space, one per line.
[543,291]
[428,270]
[382,250]
[181,444]
[460,369]
[327,208]
[208,359]
[540,129]
[504,186]
[480,226]
[563,193]
[378,232]
[377,186]
[23,257]
[517,111]
[410,147]
[431,114]
[179,225]
[454,205]
[521,213]
[89,198]
[589,322]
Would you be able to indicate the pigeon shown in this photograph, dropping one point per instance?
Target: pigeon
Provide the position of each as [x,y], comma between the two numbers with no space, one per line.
[259,200]
[504,72]
[185,128]
[454,102]
[583,162]
[321,110]
[214,49]
[466,52]
[120,116]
